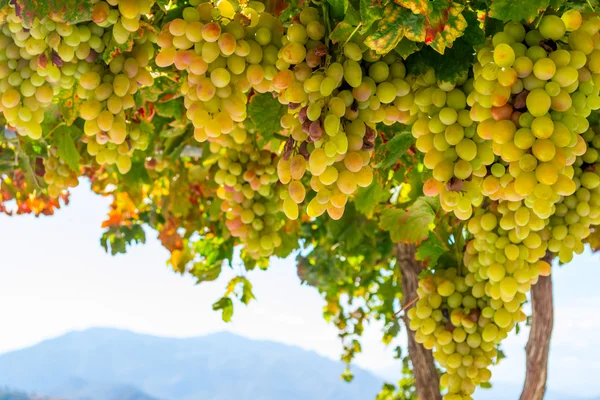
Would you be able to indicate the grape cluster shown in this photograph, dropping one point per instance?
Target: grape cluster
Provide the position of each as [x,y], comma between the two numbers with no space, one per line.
[108,105]
[530,100]
[528,185]
[247,178]
[58,175]
[123,16]
[333,109]
[224,58]
[36,63]
[463,326]
[576,214]
[456,155]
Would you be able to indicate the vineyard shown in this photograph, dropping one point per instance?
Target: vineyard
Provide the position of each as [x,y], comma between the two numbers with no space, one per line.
[427,162]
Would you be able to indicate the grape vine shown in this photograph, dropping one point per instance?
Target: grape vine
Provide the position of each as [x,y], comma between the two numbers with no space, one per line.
[471,131]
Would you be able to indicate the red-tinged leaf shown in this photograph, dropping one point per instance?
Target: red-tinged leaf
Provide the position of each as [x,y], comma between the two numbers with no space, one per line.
[416,6]
[397,23]
[71,11]
[413,224]
[68,104]
[113,49]
[453,27]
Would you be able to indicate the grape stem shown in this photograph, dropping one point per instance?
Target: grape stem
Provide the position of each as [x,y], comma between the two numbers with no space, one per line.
[407,306]
[55,128]
[353,32]
[326,18]
[280,136]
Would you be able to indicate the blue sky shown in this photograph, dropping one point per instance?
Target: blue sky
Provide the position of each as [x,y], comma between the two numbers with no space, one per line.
[55,277]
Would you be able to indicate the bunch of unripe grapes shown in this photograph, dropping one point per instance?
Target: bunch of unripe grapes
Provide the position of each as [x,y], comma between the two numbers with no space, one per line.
[334,104]
[122,15]
[463,327]
[530,99]
[58,175]
[457,157]
[247,180]
[224,58]
[576,214]
[108,102]
[36,63]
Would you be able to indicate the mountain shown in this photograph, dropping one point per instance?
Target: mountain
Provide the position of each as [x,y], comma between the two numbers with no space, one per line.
[7,394]
[87,365]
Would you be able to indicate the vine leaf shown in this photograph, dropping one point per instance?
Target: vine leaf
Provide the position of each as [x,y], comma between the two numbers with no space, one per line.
[113,49]
[341,32]
[388,154]
[68,104]
[450,25]
[413,224]
[367,199]
[226,306]
[438,23]
[406,47]
[397,22]
[117,238]
[65,138]
[71,11]
[264,115]
[430,251]
[505,10]
[457,60]
[246,294]
[371,11]
[338,8]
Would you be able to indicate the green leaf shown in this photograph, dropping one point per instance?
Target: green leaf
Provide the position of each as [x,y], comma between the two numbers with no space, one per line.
[226,306]
[264,115]
[430,251]
[116,239]
[371,11]
[246,294]
[65,138]
[338,8]
[507,10]
[388,154]
[367,199]
[406,47]
[341,32]
[412,225]
[71,11]
[206,273]
[290,11]
[171,109]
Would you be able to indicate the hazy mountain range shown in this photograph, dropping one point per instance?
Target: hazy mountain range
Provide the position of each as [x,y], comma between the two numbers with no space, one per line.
[112,364]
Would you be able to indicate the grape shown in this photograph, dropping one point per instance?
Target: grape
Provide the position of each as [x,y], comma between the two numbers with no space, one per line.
[538,102]
[572,20]
[504,55]
[552,27]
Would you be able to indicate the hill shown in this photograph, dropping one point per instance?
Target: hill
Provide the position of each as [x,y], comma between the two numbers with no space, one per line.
[90,364]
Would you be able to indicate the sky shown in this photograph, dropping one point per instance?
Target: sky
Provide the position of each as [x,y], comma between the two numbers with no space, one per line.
[55,277]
